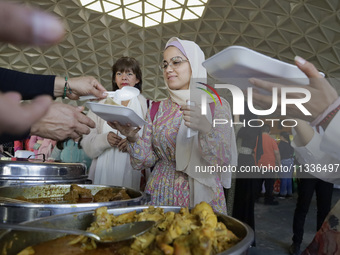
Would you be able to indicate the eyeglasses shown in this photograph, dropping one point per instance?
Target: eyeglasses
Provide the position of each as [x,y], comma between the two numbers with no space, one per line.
[175,62]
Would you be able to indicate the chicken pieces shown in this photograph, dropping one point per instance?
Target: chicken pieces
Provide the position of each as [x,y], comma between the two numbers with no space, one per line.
[184,233]
[79,194]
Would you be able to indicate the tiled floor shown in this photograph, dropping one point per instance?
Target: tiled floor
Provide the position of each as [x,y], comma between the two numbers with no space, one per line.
[274,226]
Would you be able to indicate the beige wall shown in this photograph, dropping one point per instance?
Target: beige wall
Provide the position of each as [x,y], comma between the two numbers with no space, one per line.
[277,28]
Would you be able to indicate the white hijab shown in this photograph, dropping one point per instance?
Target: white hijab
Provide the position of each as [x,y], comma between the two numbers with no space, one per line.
[203,186]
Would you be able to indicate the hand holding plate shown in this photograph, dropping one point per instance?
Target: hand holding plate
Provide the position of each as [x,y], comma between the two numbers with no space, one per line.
[131,133]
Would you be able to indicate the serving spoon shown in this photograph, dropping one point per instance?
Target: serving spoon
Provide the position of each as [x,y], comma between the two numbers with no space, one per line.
[112,235]
[123,94]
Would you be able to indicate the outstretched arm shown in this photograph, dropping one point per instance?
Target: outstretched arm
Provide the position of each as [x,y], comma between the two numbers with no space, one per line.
[322,93]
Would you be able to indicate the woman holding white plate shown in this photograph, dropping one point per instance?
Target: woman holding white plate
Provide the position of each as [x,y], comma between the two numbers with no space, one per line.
[105,145]
[166,146]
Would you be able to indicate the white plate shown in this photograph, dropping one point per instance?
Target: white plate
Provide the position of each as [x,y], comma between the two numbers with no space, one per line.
[112,113]
[123,94]
[236,64]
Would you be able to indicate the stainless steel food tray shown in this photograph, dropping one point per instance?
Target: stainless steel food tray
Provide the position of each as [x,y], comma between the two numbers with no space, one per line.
[14,241]
[19,212]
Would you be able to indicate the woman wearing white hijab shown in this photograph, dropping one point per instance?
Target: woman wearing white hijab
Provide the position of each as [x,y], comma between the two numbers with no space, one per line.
[164,144]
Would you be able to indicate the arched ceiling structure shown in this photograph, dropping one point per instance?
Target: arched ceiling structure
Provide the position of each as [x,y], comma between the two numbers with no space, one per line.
[94,40]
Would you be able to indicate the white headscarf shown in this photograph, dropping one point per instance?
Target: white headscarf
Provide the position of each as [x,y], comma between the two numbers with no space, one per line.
[196,57]
[203,186]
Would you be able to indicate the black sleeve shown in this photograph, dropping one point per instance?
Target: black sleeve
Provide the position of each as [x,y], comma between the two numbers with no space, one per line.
[5,138]
[28,85]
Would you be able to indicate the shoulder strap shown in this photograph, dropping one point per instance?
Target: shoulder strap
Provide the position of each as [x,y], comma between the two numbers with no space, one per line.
[154,109]
[212,108]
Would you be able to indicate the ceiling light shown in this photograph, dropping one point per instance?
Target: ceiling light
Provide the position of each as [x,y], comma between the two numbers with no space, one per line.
[146,13]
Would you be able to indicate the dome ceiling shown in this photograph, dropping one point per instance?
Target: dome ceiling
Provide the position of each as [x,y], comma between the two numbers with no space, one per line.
[95,40]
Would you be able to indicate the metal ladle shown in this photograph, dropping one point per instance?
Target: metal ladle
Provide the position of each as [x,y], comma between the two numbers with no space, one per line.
[112,235]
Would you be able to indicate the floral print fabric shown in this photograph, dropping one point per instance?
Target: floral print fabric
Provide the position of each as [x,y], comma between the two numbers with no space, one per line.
[157,148]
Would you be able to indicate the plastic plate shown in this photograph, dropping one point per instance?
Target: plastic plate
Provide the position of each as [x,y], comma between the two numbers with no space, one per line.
[236,64]
[121,114]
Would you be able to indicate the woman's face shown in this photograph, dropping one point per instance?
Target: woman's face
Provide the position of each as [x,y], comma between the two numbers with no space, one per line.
[177,75]
[126,78]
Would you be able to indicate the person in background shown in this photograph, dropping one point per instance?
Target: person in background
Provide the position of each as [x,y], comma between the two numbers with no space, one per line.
[165,143]
[24,25]
[287,162]
[70,151]
[314,147]
[249,140]
[269,158]
[104,144]
[42,147]
[22,145]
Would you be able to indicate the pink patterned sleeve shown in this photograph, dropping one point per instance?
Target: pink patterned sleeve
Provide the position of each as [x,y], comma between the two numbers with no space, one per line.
[216,145]
[141,152]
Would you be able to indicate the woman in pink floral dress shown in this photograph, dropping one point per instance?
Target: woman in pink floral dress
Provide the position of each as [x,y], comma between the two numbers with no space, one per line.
[178,177]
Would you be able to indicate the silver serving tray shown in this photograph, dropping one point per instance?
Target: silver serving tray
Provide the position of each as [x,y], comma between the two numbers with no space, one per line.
[40,170]
[37,173]
[20,212]
[12,242]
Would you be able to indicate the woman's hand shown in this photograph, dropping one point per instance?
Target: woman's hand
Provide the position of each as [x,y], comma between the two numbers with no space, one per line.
[322,93]
[113,139]
[194,119]
[80,86]
[130,132]
[122,145]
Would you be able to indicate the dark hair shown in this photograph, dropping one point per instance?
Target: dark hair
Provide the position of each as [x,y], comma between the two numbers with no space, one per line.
[60,144]
[125,64]
[248,115]
[265,128]
[285,135]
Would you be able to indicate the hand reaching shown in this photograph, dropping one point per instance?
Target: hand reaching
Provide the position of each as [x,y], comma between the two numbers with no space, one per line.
[322,93]
[80,86]
[26,25]
[17,118]
[63,121]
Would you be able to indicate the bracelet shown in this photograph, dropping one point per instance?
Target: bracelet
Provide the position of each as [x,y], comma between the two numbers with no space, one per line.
[66,88]
[329,117]
[325,113]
